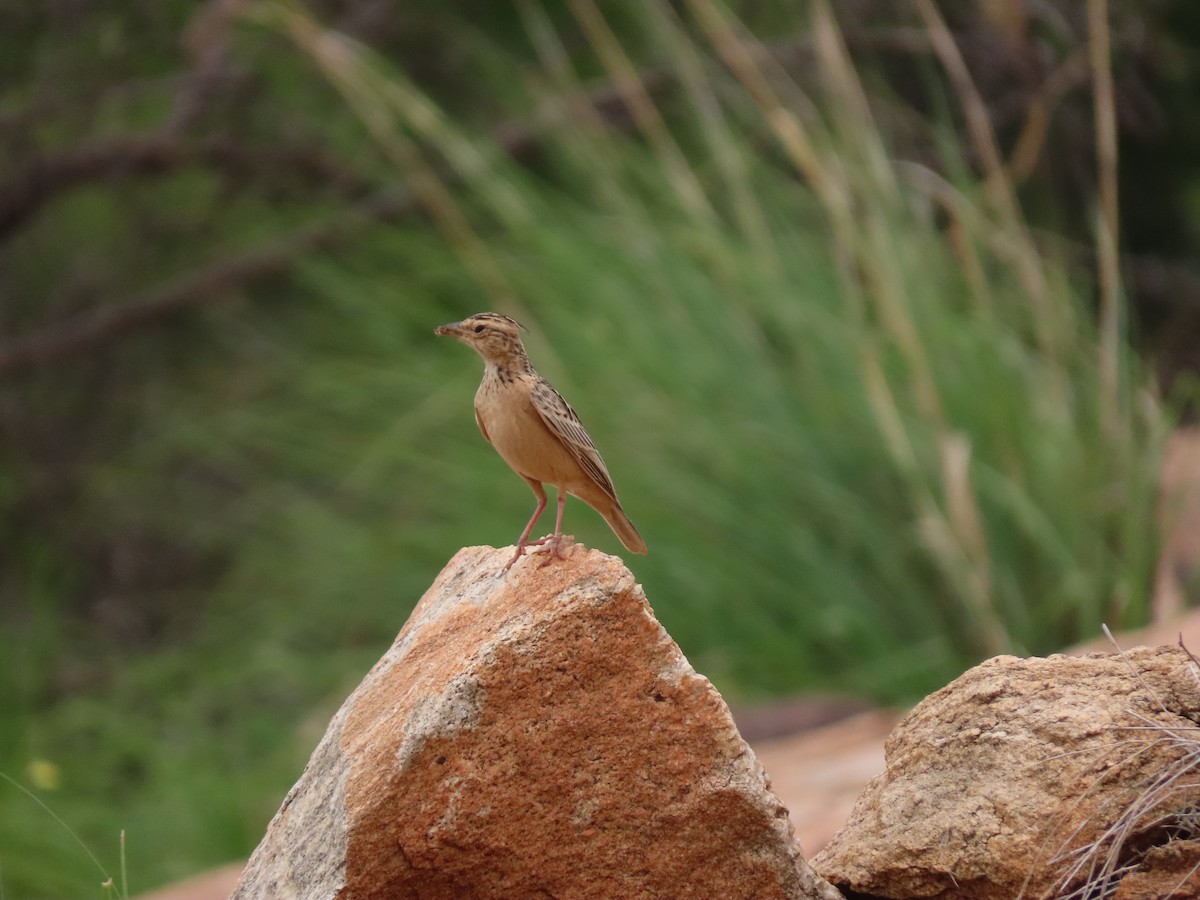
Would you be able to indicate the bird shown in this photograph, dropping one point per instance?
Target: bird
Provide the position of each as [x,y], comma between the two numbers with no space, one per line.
[537,432]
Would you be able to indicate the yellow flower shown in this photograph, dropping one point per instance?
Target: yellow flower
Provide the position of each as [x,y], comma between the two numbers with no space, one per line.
[43,774]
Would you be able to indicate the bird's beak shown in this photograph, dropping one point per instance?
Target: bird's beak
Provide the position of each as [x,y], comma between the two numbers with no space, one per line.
[451,329]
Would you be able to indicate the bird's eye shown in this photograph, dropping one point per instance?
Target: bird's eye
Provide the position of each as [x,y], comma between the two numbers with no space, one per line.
[479,329]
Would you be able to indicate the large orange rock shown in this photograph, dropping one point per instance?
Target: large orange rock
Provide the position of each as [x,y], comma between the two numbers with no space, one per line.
[532,735]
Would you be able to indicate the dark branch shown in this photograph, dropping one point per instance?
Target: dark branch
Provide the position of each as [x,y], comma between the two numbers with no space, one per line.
[207,285]
[40,180]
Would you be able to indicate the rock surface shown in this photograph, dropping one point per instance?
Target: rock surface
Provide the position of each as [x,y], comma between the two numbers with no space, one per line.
[996,785]
[535,735]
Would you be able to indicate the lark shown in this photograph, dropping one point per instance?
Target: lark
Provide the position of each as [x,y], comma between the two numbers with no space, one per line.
[537,433]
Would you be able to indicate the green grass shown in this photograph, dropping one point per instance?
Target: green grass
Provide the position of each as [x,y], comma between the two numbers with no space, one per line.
[856,411]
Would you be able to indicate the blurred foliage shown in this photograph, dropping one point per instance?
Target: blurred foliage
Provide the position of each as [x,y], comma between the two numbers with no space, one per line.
[853,402]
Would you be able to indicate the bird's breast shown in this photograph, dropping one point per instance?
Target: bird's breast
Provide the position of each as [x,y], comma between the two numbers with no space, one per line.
[520,436]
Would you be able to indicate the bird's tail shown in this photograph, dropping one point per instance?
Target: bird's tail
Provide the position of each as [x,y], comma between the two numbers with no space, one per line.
[623,528]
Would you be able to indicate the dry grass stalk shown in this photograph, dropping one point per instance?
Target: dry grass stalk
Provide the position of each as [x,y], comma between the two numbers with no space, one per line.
[1164,810]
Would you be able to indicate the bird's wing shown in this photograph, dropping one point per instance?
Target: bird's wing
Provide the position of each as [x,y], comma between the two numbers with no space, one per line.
[565,425]
[482,430]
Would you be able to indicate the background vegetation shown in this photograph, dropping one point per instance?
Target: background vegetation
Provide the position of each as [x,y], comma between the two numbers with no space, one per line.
[838,298]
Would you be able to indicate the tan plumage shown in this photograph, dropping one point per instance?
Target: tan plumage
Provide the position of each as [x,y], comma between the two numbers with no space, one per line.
[536,432]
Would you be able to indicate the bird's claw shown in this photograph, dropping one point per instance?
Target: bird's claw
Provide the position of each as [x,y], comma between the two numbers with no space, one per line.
[554,546]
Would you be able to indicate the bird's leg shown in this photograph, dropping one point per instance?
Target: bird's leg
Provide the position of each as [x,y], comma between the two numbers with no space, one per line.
[523,541]
[554,543]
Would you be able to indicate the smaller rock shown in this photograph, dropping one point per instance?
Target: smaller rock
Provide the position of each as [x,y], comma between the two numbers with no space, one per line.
[1011,780]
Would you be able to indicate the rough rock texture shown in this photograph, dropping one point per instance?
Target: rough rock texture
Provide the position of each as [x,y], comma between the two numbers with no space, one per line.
[1168,873]
[994,783]
[536,735]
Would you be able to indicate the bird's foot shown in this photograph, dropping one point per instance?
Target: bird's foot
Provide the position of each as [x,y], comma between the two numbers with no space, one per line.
[521,545]
[555,546]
